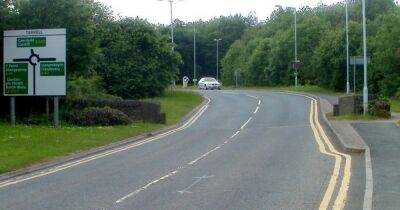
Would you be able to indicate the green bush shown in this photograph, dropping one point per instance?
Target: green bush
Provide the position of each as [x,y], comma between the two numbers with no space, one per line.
[380,108]
[90,116]
[397,95]
[87,88]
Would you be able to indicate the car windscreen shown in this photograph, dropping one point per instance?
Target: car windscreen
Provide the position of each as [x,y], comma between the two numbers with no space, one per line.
[209,80]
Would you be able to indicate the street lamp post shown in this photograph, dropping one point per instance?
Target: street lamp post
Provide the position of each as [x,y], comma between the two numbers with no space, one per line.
[172,20]
[194,52]
[217,40]
[295,47]
[296,61]
[347,50]
[365,92]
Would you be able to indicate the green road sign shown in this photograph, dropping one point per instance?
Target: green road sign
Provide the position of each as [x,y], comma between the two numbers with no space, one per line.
[52,69]
[44,51]
[31,42]
[16,78]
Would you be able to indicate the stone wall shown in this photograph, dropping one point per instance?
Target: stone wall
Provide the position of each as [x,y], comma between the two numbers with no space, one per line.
[350,104]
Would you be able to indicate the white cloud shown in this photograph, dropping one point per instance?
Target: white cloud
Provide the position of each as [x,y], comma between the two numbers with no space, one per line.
[156,11]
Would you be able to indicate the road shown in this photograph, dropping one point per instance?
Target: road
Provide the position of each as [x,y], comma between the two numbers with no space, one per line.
[247,150]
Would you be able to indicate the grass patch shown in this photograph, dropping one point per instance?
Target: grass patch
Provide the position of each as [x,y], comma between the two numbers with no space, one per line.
[395,105]
[183,102]
[25,145]
[304,89]
[354,117]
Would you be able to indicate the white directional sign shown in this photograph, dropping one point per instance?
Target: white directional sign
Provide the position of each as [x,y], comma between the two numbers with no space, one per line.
[35,62]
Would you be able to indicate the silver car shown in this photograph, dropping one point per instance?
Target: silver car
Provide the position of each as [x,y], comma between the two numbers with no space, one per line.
[209,83]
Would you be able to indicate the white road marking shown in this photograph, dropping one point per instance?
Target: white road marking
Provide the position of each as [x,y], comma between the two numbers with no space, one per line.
[103,154]
[203,156]
[146,186]
[198,179]
[255,111]
[166,176]
[251,96]
[233,136]
[259,102]
[244,125]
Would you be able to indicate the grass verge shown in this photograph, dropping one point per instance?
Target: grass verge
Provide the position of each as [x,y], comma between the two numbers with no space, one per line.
[395,105]
[25,145]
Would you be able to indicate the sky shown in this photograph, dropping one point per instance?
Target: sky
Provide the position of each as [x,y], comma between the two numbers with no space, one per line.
[156,11]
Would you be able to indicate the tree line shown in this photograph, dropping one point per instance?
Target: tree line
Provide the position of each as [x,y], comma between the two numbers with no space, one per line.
[264,55]
[126,57]
[132,58]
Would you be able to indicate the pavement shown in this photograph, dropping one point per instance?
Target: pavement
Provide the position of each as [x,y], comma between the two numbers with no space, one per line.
[384,141]
[248,150]
[381,140]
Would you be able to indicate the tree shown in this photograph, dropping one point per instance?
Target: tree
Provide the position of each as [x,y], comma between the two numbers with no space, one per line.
[77,16]
[385,71]
[138,61]
[229,29]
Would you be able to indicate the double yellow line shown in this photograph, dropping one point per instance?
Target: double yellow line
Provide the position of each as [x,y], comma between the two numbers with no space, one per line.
[326,147]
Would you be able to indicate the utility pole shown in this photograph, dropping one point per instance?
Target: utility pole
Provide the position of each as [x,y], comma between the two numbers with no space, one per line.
[217,40]
[365,91]
[347,50]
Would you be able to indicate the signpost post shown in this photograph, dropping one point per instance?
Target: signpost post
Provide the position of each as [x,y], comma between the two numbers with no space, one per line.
[357,60]
[296,67]
[35,65]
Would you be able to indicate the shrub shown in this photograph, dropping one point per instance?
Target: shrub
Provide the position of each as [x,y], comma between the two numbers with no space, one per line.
[135,109]
[380,108]
[105,116]
[88,88]
[397,95]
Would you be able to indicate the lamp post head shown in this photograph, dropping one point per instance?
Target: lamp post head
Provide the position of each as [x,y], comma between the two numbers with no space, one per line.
[280,6]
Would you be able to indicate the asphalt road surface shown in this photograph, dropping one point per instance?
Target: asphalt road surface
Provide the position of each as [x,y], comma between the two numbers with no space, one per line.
[248,150]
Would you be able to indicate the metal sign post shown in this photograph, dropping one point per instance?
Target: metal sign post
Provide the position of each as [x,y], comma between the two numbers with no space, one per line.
[56,113]
[354,75]
[236,78]
[12,111]
[357,60]
[296,67]
[34,64]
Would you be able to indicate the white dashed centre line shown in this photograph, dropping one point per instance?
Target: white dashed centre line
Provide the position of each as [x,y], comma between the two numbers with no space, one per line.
[192,162]
[255,111]
[233,136]
[247,122]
